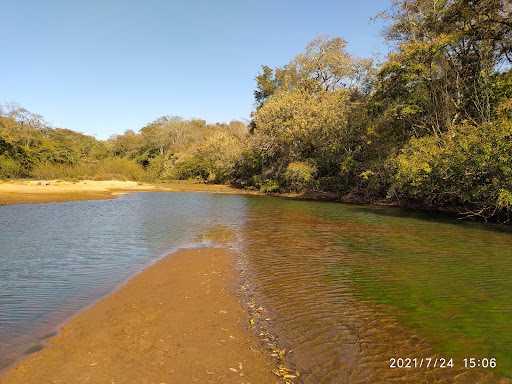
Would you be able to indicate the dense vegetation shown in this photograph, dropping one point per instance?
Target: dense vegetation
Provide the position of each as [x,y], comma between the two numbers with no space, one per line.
[169,147]
[429,126]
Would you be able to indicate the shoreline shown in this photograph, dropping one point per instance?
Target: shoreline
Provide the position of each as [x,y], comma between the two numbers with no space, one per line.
[58,191]
[179,320]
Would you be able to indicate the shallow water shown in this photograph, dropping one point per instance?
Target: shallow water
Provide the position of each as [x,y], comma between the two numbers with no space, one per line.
[346,287]
[350,287]
[56,259]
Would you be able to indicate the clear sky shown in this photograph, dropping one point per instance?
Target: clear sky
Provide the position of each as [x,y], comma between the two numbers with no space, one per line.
[101,67]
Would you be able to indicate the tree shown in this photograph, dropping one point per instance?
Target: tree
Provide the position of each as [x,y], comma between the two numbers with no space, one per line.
[127,145]
[465,167]
[443,97]
[266,85]
[167,133]
[299,126]
[446,52]
[214,157]
[327,62]
[325,65]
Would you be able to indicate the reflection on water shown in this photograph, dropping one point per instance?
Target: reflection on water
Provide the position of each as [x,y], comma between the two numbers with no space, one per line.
[347,287]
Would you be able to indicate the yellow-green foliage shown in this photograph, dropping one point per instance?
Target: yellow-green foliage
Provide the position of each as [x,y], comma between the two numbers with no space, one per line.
[107,169]
[299,126]
[9,168]
[185,165]
[297,122]
[296,125]
[268,185]
[300,175]
[213,158]
[414,163]
[504,200]
[467,165]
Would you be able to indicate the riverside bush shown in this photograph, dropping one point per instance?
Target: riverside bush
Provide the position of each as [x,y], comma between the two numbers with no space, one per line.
[468,166]
[106,169]
[300,175]
[10,169]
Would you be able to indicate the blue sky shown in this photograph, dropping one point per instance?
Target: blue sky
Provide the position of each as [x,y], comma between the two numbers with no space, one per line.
[101,67]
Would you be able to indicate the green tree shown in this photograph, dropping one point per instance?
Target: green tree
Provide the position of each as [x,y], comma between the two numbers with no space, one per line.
[440,71]
[301,124]
[324,65]
[466,167]
[213,158]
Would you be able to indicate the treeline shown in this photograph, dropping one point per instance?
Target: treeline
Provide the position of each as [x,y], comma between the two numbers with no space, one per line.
[431,125]
[167,148]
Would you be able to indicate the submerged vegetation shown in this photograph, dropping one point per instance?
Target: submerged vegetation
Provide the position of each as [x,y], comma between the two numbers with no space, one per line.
[430,126]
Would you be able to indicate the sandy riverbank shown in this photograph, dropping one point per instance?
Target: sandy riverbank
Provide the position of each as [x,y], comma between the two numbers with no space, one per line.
[179,321]
[19,192]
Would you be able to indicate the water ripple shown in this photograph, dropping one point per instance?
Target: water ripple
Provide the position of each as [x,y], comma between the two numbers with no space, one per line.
[346,287]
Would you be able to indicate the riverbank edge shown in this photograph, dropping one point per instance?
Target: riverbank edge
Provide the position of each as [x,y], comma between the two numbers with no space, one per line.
[192,292]
[18,192]
[24,191]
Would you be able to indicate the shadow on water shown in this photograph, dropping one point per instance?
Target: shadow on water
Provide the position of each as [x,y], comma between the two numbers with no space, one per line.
[434,217]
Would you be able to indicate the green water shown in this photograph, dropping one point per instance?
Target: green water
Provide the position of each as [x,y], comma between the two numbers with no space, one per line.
[349,287]
[451,282]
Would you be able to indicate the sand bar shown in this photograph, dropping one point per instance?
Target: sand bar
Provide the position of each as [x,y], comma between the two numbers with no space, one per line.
[179,321]
[20,192]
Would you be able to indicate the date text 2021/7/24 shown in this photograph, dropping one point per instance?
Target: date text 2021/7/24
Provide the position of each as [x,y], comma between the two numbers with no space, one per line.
[440,362]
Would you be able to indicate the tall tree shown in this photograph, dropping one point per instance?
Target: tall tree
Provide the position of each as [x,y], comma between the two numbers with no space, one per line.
[324,65]
[440,72]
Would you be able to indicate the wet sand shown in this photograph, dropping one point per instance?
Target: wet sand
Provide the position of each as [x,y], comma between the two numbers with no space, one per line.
[179,321]
[19,192]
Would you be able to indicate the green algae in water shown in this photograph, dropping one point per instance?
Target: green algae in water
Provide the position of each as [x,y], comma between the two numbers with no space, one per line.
[451,283]
[447,280]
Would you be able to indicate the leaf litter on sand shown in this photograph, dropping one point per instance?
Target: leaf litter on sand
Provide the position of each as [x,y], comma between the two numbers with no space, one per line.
[259,319]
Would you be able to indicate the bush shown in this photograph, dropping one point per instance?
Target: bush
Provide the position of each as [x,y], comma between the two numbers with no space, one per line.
[269,186]
[121,169]
[468,165]
[300,175]
[188,166]
[51,171]
[213,159]
[106,169]
[9,168]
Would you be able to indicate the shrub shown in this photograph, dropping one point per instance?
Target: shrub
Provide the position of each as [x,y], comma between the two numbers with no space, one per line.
[213,159]
[188,166]
[106,169]
[51,171]
[468,165]
[9,168]
[269,186]
[300,175]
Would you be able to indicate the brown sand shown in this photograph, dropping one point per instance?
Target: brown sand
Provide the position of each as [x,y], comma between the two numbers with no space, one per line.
[18,192]
[179,321]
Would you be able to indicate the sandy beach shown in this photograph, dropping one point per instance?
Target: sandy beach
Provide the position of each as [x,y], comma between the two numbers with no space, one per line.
[179,321]
[37,191]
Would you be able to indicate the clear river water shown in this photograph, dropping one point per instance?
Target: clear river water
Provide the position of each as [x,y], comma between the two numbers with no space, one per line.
[353,293]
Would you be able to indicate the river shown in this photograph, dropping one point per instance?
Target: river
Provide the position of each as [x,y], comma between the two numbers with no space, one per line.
[350,293]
